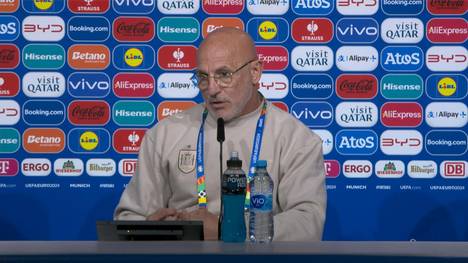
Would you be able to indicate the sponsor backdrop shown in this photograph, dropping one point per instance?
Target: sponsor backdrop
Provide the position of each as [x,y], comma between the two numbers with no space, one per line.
[383,82]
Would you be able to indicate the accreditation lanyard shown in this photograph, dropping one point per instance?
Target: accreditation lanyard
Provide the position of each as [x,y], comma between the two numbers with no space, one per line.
[257,144]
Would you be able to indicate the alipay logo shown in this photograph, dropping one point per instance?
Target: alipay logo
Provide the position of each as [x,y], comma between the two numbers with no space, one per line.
[357,58]
[313,114]
[446,114]
[327,140]
[402,58]
[268,7]
[356,142]
[177,85]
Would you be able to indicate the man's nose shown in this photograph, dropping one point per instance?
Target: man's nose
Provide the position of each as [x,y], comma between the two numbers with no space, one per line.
[213,87]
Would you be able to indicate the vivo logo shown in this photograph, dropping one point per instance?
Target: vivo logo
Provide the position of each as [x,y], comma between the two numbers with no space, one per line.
[176,85]
[353,114]
[313,114]
[402,58]
[312,58]
[402,30]
[357,58]
[401,142]
[357,30]
[133,6]
[88,85]
[356,142]
[274,86]
[446,114]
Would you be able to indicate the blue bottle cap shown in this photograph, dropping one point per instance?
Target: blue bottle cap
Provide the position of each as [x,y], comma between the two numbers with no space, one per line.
[261,164]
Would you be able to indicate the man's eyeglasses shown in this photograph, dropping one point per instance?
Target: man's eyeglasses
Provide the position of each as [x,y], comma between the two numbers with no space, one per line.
[222,78]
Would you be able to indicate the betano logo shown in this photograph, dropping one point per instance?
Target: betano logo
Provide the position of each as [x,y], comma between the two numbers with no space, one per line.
[133,57]
[9,84]
[316,30]
[88,57]
[40,140]
[89,140]
[9,6]
[88,6]
[133,85]
[210,24]
[227,7]
[170,108]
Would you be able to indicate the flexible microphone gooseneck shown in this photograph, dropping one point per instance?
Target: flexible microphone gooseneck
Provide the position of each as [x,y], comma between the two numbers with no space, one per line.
[220,138]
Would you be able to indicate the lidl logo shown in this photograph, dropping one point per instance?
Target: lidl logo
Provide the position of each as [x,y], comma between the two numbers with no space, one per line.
[128,140]
[177,57]
[446,142]
[88,57]
[9,56]
[268,30]
[316,30]
[133,85]
[312,86]
[43,112]
[133,57]
[178,7]
[447,30]
[210,24]
[133,113]
[40,140]
[401,86]
[88,112]
[178,29]
[170,108]
[43,28]
[43,84]
[356,86]
[9,6]
[357,30]
[89,84]
[89,140]
[274,7]
[401,114]
[133,6]
[313,114]
[88,6]
[446,86]
[43,56]
[9,112]
[230,7]
[88,28]
[356,142]
[402,58]
[450,7]
[133,29]
[9,84]
[9,140]
[403,7]
[43,6]
[312,8]
[9,28]
[357,58]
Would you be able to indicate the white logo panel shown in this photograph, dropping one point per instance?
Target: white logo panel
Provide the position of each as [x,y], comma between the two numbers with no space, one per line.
[43,84]
[402,30]
[36,167]
[389,169]
[327,140]
[101,167]
[353,114]
[274,86]
[446,114]
[176,86]
[401,142]
[357,169]
[43,28]
[424,169]
[68,167]
[9,112]
[312,58]
[447,58]
[357,58]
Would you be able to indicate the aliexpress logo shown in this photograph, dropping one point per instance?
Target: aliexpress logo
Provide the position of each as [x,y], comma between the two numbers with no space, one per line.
[447,30]
[88,112]
[9,84]
[312,30]
[169,108]
[128,140]
[88,57]
[227,7]
[133,29]
[38,140]
[212,23]
[177,57]
[401,114]
[9,56]
[9,6]
[273,57]
[133,85]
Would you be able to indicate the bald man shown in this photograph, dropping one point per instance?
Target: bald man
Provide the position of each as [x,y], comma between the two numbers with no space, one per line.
[165,185]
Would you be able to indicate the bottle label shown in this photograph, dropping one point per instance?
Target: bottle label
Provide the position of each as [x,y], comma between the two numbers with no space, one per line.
[261,202]
[234,183]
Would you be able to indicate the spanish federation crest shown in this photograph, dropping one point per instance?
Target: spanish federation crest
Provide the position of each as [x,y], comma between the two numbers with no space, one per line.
[187,160]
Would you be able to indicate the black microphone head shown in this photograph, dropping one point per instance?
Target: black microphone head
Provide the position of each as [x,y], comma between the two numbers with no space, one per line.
[220,135]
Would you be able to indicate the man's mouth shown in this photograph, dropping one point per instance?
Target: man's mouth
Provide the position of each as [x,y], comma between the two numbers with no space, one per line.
[217,104]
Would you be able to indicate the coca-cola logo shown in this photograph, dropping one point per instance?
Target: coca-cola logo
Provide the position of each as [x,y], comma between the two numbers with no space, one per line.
[88,112]
[134,29]
[9,56]
[356,86]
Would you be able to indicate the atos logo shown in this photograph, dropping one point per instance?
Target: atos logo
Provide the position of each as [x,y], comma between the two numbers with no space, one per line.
[43,112]
[422,169]
[177,57]
[8,167]
[88,6]
[316,30]
[9,6]
[357,30]
[210,24]
[88,140]
[178,29]
[133,6]
[389,169]
[178,7]
[357,7]
[9,112]
[229,7]
[446,114]
[133,29]
[43,28]
[176,86]
[274,86]
[133,113]
[402,58]
[88,84]
[36,167]
[36,140]
[43,6]
[357,169]
[332,168]
[312,86]
[127,167]
[327,140]
[403,7]
[88,112]
[401,142]
[9,28]
[91,57]
[127,140]
[274,7]
[313,114]
[9,56]
[447,58]
[43,56]
[446,142]
[356,142]
[454,169]
[401,86]
[9,140]
[275,58]
[402,30]
[100,167]
[133,85]
[446,86]
[401,114]
[9,84]
[312,7]
[312,58]
[356,86]
[88,28]
[352,114]
[133,57]
[170,108]
[448,7]
[68,167]
[272,30]
[357,58]
[447,30]
[43,84]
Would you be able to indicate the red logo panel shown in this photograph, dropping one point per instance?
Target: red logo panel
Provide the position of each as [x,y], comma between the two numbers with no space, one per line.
[332,168]
[401,114]
[447,7]
[273,57]
[356,86]
[9,56]
[312,30]
[88,112]
[128,140]
[447,30]
[9,84]
[8,167]
[133,85]
[88,7]
[223,7]
[133,29]
[177,57]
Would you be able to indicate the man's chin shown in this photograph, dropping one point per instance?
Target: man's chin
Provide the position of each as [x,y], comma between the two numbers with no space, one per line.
[221,113]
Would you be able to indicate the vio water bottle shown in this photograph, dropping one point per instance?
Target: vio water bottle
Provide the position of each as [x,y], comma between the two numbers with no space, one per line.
[233,188]
[261,205]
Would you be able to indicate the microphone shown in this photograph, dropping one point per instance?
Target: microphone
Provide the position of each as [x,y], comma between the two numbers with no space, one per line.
[220,138]
[220,135]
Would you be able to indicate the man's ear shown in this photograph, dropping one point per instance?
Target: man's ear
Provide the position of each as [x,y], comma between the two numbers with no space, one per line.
[256,70]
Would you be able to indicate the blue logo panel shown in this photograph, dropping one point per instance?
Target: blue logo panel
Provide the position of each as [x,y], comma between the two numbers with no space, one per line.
[78,140]
[356,142]
[446,142]
[88,28]
[9,28]
[313,114]
[446,86]
[133,6]
[89,84]
[133,57]
[402,58]
[43,112]
[268,30]
[402,7]
[307,7]
[357,30]
[312,86]
[46,7]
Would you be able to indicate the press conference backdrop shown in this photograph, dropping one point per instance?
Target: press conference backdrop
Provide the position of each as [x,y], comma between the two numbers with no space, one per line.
[382,82]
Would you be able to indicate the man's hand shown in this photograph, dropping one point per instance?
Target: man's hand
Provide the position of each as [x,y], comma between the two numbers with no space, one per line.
[210,221]
[163,214]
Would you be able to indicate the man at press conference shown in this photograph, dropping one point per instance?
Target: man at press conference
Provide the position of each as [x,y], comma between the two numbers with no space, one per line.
[165,185]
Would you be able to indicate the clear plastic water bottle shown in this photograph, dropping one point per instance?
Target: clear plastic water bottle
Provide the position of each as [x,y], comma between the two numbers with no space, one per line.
[261,205]
[233,189]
